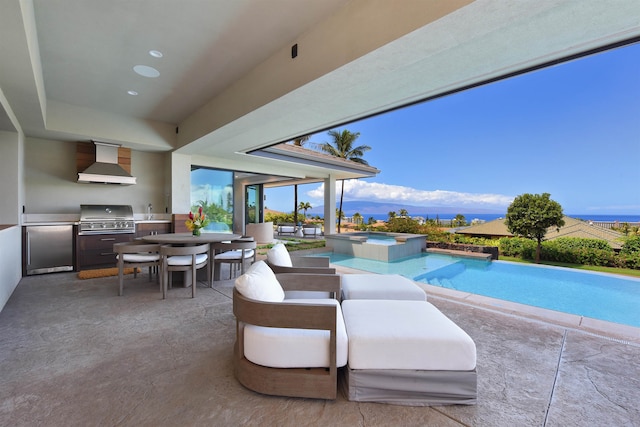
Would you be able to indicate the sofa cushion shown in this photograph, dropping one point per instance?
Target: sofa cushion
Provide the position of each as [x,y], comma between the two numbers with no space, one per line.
[296,348]
[393,334]
[260,283]
[380,286]
[279,255]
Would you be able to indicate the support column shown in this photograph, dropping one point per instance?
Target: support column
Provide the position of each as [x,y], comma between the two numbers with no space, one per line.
[180,183]
[330,205]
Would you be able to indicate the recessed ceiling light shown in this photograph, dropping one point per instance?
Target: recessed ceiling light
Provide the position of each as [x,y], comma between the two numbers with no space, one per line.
[146,71]
[155,53]
[132,92]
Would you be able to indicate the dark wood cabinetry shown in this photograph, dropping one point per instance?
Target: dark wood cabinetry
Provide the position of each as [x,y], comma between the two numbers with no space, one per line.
[96,251]
[147,228]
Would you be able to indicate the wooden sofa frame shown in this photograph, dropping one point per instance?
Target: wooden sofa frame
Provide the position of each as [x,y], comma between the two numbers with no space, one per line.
[320,383]
[305,264]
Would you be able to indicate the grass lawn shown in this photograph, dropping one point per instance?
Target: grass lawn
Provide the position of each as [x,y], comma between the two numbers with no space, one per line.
[612,270]
[294,245]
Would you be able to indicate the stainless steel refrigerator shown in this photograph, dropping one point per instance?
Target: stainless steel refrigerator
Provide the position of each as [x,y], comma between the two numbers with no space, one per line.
[49,249]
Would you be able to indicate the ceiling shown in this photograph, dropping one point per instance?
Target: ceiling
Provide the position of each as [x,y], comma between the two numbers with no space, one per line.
[228,83]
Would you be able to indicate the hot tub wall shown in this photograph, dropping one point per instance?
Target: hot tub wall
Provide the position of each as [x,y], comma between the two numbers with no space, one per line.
[356,245]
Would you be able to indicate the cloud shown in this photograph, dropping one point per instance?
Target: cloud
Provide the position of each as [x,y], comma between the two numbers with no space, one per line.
[355,189]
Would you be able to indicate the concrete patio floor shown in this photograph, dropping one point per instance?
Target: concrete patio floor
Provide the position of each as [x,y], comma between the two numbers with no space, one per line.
[73,353]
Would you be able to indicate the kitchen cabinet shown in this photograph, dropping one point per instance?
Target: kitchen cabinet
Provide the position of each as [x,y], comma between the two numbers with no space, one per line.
[147,228]
[96,251]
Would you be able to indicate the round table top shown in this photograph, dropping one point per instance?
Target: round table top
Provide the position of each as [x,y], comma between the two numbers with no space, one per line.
[188,238]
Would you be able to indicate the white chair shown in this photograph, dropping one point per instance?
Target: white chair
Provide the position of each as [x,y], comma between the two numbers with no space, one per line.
[183,258]
[136,254]
[235,253]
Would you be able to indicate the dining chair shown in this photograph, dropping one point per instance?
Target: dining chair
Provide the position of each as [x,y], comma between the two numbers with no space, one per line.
[183,258]
[136,254]
[235,253]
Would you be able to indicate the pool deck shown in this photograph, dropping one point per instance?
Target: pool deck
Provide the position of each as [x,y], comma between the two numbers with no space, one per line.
[462,254]
[74,353]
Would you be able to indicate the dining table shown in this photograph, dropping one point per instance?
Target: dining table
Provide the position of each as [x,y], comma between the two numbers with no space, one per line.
[191,239]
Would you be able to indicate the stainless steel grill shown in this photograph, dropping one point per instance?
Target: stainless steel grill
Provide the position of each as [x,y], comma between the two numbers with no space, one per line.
[106,219]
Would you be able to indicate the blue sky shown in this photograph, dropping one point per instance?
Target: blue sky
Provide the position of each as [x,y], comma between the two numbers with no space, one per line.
[572,130]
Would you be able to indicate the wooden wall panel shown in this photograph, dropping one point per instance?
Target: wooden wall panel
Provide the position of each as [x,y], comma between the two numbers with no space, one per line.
[86,156]
[178,223]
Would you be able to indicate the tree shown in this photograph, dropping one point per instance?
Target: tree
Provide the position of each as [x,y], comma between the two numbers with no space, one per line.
[392,214]
[298,142]
[304,206]
[403,213]
[357,218]
[342,146]
[459,221]
[531,215]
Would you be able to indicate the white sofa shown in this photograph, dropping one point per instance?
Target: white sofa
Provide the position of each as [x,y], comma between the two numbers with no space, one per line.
[399,351]
[311,230]
[286,229]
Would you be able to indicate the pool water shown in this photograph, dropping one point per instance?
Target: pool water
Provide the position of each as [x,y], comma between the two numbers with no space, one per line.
[382,240]
[596,295]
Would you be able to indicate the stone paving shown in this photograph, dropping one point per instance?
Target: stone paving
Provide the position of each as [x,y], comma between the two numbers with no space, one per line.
[73,353]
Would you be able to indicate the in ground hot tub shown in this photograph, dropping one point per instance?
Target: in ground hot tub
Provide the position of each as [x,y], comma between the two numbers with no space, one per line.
[376,245]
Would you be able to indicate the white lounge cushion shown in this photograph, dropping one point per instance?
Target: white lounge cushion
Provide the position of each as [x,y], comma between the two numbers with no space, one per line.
[139,257]
[260,283]
[296,348]
[279,255]
[392,334]
[380,286]
[186,259]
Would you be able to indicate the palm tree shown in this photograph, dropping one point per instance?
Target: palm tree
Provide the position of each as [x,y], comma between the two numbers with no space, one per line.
[304,206]
[357,218]
[342,146]
[299,142]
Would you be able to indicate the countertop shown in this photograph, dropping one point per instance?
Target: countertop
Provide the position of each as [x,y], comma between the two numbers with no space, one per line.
[74,219]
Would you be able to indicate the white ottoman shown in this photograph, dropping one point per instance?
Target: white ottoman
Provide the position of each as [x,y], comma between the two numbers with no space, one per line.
[407,352]
[380,287]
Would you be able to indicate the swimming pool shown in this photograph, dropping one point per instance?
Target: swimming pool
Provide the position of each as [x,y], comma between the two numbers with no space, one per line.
[590,294]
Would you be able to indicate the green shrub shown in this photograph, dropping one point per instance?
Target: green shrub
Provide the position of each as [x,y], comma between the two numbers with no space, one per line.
[578,251]
[518,247]
[628,260]
[402,225]
[631,246]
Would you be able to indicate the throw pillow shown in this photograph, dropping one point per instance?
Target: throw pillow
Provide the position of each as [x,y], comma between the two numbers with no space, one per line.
[260,283]
[279,255]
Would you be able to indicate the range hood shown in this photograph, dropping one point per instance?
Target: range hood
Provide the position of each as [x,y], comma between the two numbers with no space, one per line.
[106,169]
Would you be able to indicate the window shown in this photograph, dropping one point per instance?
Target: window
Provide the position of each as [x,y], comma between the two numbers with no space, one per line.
[213,190]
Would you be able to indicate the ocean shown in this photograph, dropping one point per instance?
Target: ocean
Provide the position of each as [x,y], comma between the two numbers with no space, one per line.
[490,217]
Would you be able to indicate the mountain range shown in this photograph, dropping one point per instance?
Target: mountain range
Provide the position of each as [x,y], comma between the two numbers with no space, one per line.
[376,208]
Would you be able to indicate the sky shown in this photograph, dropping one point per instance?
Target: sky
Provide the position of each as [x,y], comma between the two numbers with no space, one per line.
[572,130]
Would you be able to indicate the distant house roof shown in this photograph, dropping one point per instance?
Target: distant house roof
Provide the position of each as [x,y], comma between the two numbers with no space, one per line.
[495,228]
[572,228]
